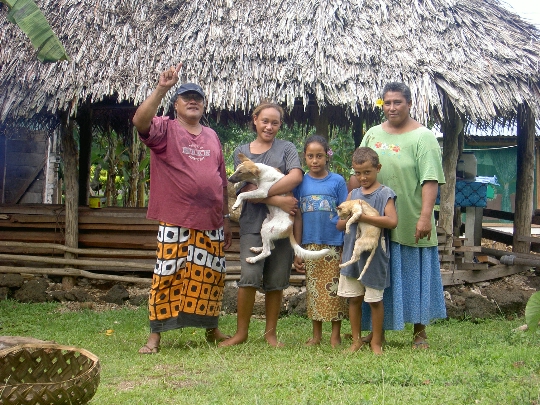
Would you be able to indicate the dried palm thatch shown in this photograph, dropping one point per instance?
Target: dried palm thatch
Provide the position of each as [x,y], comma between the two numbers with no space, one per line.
[336,52]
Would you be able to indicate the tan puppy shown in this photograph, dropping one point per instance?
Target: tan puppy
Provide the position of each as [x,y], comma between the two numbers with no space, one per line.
[278,224]
[367,236]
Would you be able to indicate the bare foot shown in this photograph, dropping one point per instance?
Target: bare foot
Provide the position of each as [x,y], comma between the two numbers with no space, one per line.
[376,348]
[335,341]
[215,336]
[355,346]
[272,341]
[420,341]
[313,342]
[152,345]
[369,336]
[235,340]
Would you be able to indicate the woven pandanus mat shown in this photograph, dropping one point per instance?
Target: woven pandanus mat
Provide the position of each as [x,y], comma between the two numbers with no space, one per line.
[47,374]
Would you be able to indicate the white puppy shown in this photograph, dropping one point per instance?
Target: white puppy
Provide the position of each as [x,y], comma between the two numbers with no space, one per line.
[278,224]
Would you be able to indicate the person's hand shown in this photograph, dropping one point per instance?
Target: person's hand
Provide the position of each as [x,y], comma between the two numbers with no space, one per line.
[248,187]
[169,78]
[287,203]
[228,234]
[299,265]
[423,229]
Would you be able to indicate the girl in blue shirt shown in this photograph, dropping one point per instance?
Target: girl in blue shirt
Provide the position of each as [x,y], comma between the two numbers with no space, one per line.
[320,192]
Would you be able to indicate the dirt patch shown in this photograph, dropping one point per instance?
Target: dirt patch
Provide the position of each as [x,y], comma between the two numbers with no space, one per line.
[505,296]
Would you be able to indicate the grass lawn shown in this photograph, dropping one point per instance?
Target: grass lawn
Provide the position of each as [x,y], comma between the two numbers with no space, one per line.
[468,363]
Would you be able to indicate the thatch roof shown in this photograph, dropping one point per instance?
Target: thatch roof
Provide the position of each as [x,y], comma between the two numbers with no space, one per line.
[337,52]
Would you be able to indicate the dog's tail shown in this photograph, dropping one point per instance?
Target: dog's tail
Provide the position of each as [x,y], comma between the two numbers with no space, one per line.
[368,261]
[306,254]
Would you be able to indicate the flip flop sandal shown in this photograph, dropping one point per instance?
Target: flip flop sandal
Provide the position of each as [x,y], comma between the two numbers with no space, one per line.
[149,350]
[420,345]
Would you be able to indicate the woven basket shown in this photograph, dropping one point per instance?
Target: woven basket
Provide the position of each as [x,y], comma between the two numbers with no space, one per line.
[47,374]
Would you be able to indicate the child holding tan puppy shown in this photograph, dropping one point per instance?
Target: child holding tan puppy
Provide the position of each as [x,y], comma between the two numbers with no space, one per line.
[371,285]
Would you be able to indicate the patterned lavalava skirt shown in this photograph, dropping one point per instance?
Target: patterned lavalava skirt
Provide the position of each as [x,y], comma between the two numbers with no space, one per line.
[188,280]
[322,277]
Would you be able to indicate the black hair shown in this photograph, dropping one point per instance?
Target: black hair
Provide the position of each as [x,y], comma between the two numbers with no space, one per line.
[364,154]
[319,139]
[398,88]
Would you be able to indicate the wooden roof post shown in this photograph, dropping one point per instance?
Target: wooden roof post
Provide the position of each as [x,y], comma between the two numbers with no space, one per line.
[525,178]
[84,119]
[70,158]
[452,127]
[321,122]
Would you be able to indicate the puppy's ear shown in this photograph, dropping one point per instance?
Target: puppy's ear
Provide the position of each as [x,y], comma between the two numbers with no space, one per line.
[242,157]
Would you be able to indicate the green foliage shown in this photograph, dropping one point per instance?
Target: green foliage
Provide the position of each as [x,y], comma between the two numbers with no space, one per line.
[468,363]
[341,143]
[26,14]
[107,147]
[532,311]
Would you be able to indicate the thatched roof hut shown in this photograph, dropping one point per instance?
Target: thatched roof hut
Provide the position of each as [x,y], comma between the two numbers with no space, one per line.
[480,56]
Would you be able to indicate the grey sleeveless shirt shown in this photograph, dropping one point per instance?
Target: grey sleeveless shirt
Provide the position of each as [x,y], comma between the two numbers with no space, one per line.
[377,275]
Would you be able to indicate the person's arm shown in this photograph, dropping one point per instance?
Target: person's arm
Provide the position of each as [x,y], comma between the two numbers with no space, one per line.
[352,183]
[148,109]
[341,223]
[297,232]
[287,183]
[389,220]
[284,186]
[226,221]
[430,189]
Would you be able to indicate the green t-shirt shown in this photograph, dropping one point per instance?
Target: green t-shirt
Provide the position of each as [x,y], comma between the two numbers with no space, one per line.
[407,161]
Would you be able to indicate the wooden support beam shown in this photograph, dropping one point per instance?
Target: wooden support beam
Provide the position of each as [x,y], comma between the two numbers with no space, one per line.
[473,229]
[72,273]
[475,276]
[70,157]
[452,128]
[525,177]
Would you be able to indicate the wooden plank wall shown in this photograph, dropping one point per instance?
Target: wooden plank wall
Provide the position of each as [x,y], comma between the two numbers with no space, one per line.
[105,235]
[122,241]
[24,156]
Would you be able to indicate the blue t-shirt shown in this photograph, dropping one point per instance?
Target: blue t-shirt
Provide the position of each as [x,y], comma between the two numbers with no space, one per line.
[317,200]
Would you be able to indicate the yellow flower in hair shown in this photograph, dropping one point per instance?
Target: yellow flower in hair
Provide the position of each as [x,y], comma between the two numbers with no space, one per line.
[379,103]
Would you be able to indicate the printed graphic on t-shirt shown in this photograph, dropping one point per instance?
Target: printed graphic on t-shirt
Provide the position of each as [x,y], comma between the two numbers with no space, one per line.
[387,147]
[316,202]
[195,152]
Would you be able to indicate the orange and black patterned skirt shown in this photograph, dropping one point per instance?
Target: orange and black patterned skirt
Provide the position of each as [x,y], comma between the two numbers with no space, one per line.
[187,286]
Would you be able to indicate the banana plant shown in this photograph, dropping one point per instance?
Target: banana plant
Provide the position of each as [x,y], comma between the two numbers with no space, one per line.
[532,311]
[30,19]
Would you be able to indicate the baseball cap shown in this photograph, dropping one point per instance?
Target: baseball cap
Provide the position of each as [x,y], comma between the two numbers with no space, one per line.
[187,87]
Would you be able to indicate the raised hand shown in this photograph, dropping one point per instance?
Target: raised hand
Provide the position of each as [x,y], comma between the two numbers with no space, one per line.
[169,78]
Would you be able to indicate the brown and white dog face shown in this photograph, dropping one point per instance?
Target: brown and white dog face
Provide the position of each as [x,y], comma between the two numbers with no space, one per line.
[246,171]
[250,172]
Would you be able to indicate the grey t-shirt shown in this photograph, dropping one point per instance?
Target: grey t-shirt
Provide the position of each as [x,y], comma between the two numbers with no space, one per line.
[377,275]
[283,156]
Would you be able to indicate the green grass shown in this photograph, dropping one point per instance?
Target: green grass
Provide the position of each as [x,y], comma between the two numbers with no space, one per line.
[468,363]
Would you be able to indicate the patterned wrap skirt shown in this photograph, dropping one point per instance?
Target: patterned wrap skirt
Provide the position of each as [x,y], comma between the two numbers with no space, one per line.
[188,280]
[322,277]
[416,292]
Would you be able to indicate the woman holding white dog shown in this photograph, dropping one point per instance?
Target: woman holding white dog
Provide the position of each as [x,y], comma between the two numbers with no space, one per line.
[272,274]
[411,165]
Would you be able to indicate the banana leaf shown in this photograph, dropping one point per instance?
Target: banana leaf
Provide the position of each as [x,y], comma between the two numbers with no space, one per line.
[532,311]
[30,19]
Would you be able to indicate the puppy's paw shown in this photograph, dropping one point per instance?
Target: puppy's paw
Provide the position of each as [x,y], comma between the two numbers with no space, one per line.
[256,249]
